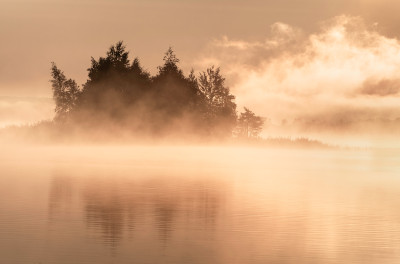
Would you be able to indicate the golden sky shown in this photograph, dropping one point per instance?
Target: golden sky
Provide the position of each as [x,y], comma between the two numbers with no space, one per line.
[314,64]
[36,32]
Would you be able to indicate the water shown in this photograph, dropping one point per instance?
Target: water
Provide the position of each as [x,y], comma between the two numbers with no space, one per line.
[198,205]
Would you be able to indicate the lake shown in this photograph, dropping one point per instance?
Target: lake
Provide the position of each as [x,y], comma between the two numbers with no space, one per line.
[181,204]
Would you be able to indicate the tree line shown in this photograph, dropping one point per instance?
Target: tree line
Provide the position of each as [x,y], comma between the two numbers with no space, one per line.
[120,94]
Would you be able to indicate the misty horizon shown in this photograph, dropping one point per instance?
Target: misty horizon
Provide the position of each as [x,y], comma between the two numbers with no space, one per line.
[280,77]
[193,132]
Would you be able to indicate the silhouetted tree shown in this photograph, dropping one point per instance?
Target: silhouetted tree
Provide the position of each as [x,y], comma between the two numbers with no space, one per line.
[221,109]
[119,94]
[174,94]
[65,93]
[249,125]
[170,63]
[114,85]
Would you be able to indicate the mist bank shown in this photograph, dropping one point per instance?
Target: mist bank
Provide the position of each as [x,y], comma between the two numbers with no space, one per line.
[18,111]
[139,154]
[47,134]
[340,81]
[338,85]
[122,100]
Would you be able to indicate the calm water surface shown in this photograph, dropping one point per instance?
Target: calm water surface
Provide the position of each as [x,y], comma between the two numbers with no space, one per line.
[198,205]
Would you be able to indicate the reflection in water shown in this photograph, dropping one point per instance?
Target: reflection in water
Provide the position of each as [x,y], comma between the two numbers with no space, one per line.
[105,214]
[116,205]
[326,207]
[165,213]
[371,226]
[60,195]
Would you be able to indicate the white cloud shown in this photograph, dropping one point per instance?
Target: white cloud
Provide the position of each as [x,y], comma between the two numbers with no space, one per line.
[347,71]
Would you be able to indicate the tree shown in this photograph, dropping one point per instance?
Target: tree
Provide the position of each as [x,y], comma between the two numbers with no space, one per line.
[249,125]
[114,85]
[116,61]
[174,94]
[221,109]
[65,93]
[170,62]
[108,73]
[122,96]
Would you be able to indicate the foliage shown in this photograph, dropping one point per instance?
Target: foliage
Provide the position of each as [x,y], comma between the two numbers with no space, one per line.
[173,93]
[120,94]
[249,125]
[221,107]
[113,78]
[65,93]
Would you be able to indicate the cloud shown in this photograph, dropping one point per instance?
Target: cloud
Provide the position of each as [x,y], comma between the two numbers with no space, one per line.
[344,74]
[383,87]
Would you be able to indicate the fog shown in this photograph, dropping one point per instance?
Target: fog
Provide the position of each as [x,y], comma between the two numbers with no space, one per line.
[19,111]
[338,84]
[197,204]
[341,80]
[223,132]
[41,31]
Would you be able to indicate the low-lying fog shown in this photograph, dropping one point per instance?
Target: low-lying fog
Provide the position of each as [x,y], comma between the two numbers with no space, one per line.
[198,204]
[165,176]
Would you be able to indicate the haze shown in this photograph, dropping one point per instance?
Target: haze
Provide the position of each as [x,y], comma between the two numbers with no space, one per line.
[70,32]
[272,54]
[226,131]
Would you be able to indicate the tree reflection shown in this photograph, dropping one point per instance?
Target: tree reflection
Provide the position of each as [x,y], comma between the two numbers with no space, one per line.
[106,215]
[60,195]
[114,206]
[165,213]
[159,219]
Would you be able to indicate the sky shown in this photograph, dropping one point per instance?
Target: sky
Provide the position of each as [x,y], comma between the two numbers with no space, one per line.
[296,54]
[37,32]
